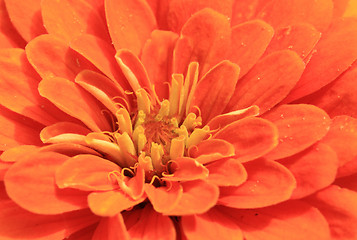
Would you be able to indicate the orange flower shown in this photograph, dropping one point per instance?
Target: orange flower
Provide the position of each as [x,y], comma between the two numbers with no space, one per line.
[178,119]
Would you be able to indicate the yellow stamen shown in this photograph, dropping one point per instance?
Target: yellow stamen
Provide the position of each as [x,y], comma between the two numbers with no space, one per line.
[192,73]
[177,147]
[156,154]
[140,119]
[191,121]
[124,121]
[197,136]
[144,102]
[175,93]
[145,162]
[165,108]
[127,146]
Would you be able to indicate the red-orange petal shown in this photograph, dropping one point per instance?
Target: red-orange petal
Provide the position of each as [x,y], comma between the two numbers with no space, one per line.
[17,223]
[313,169]
[31,184]
[251,137]
[269,82]
[300,38]
[69,149]
[180,11]
[246,10]
[211,150]
[222,120]
[130,23]
[73,100]
[110,203]
[160,8]
[62,128]
[11,124]
[299,126]
[338,205]
[26,17]
[287,12]
[111,228]
[211,225]
[293,220]
[18,88]
[161,227]
[101,54]
[52,57]
[249,41]
[9,37]
[164,198]
[133,70]
[339,98]
[343,130]
[87,173]
[215,89]
[205,38]
[18,153]
[4,166]
[159,68]
[333,54]
[226,172]
[268,183]
[198,196]
[103,89]
[67,19]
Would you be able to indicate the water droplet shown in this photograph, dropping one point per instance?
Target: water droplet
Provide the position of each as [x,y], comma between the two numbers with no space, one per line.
[288,125]
[290,47]
[243,44]
[258,78]
[291,138]
[282,116]
[281,140]
[303,118]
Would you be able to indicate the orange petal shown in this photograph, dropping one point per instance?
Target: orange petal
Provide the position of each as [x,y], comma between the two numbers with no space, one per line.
[67,19]
[87,173]
[26,17]
[133,27]
[211,225]
[299,127]
[180,11]
[251,137]
[103,89]
[222,120]
[198,197]
[160,8]
[111,228]
[211,150]
[339,98]
[31,184]
[205,38]
[286,12]
[133,70]
[186,169]
[339,207]
[300,38]
[161,227]
[269,82]
[109,204]
[9,37]
[226,172]
[17,223]
[313,169]
[69,149]
[293,220]
[164,198]
[12,125]
[343,130]
[18,88]
[159,68]
[62,128]
[101,54]
[268,183]
[339,7]
[249,41]
[334,53]
[18,153]
[75,101]
[247,10]
[215,89]
[51,57]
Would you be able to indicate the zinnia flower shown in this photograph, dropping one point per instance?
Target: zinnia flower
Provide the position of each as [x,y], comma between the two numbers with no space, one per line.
[178,119]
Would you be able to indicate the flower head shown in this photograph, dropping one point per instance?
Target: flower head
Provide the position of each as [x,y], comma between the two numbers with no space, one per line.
[178,119]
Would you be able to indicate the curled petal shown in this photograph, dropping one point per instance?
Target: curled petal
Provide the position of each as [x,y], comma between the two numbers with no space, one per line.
[186,169]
